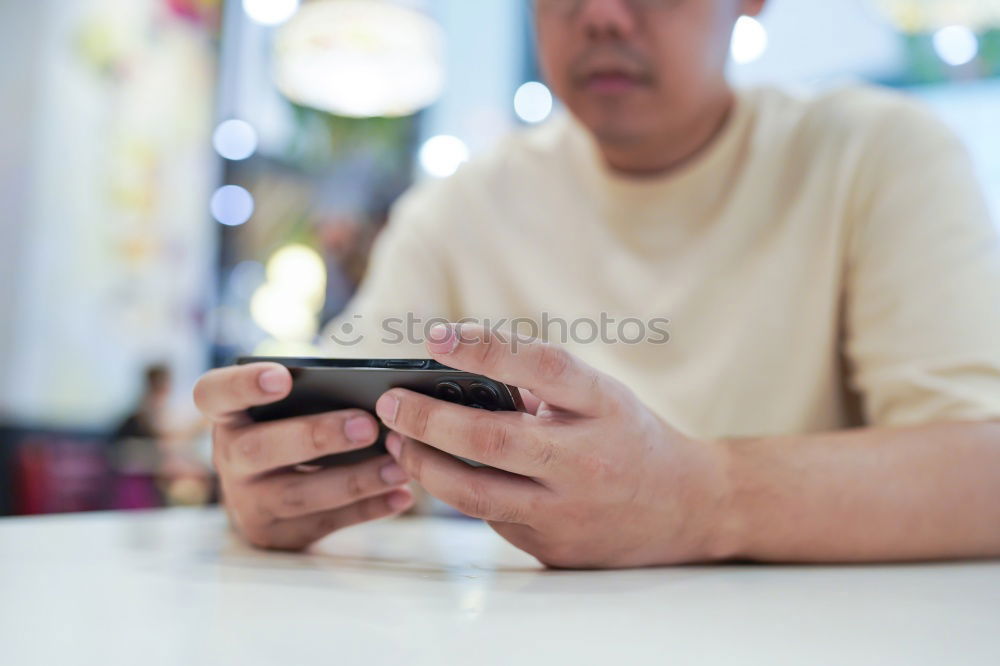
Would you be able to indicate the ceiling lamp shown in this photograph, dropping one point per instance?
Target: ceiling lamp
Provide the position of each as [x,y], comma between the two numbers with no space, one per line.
[915,16]
[360,58]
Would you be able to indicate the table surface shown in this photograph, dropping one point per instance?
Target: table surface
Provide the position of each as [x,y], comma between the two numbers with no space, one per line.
[177,587]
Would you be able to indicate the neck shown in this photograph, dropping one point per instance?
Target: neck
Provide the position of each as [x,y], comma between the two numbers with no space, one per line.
[655,156]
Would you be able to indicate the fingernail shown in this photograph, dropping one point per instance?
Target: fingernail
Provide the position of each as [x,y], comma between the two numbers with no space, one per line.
[360,429]
[386,407]
[392,474]
[399,501]
[441,339]
[393,443]
[273,380]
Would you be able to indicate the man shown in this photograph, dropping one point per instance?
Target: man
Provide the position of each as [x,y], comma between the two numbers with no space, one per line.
[830,390]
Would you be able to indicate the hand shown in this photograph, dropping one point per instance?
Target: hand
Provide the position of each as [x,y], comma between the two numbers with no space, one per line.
[270,503]
[593,479]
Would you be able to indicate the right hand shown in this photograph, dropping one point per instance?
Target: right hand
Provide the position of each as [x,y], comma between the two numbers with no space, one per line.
[271,504]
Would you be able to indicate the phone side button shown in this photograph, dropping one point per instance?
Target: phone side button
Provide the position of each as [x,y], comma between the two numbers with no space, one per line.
[405,365]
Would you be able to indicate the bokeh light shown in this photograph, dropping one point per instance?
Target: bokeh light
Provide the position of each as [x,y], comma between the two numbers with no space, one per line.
[533,102]
[956,45]
[270,12]
[232,205]
[235,139]
[749,40]
[360,59]
[440,156]
[287,319]
[288,305]
[299,272]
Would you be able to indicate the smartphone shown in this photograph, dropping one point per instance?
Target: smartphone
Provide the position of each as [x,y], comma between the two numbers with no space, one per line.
[328,384]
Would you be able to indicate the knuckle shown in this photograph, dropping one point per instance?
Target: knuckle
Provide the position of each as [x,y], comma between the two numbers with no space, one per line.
[251,446]
[595,467]
[353,485]
[545,452]
[477,502]
[293,498]
[316,434]
[474,502]
[492,438]
[509,514]
[235,384]
[495,349]
[554,362]
[411,461]
[482,352]
[487,347]
[420,416]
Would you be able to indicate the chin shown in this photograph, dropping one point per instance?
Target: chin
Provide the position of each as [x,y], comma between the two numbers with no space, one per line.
[619,130]
[615,123]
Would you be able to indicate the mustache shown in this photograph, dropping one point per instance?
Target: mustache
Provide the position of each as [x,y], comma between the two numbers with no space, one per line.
[618,57]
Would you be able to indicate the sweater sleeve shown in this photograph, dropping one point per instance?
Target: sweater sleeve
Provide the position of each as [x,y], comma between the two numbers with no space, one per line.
[923,279]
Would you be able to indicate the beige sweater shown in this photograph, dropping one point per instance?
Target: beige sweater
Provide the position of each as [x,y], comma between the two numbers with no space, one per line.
[825,262]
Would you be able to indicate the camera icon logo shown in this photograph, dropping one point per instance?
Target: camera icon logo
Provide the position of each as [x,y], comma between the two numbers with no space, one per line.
[348,334]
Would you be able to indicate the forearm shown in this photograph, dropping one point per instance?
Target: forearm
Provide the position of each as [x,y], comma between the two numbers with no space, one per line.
[927,492]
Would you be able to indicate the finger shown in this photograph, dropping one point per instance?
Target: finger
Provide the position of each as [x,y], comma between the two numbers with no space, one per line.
[298,533]
[548,371]
[264,447]
[224,393]
[533,541]
[480,492]
[524,537]
[505,440]
[530,400]
[293,494]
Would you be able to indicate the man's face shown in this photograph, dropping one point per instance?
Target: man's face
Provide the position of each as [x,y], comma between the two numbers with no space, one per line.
[632,70]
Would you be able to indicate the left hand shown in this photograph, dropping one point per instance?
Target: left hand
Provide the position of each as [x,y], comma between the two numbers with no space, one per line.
[592,479]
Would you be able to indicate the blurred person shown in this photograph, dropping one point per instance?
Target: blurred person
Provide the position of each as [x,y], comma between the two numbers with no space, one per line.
[346,243]
[830,390]
[150,454]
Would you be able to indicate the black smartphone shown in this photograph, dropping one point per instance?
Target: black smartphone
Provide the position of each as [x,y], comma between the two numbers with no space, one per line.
[329,384]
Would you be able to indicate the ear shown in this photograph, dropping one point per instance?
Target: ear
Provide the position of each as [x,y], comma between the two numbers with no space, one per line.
[752,7]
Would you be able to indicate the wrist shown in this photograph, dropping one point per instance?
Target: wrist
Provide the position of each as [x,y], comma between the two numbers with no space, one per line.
[723,520]
[696,488]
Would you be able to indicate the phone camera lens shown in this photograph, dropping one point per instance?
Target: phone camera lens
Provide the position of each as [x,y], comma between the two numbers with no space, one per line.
[450,391]
[485,395]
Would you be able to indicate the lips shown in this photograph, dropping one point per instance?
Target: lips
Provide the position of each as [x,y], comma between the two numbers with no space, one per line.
[611,82]
[611,74]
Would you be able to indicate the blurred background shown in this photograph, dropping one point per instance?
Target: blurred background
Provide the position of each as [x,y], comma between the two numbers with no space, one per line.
[186,181]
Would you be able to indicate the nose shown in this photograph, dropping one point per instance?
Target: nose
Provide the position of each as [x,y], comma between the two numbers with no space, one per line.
[602,19]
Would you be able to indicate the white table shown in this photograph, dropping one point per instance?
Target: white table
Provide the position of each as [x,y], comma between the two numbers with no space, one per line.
[175,587]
